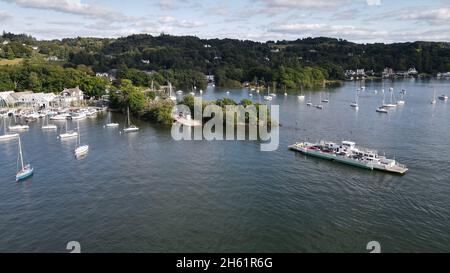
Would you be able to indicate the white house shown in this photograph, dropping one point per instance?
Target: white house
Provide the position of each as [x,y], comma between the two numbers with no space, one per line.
[72,95]
[28,98]
[6,98]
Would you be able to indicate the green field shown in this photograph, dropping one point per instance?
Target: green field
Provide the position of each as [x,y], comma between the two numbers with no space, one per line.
[10,62]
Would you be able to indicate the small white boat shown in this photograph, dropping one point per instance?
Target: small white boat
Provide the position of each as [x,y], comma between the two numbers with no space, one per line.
[171,97]
[19,127]
[382,110]
[130,127]
[309,104]
[68,134]
[60,117]
[268,97]
[78,116]
[301,98]
[320,107]
[355,104]
[391,104]
[434,101]
[179,92]
[25,171]
[285,94]
[111,124]
[48,126]
[443,97]
[81,150]
[5,135]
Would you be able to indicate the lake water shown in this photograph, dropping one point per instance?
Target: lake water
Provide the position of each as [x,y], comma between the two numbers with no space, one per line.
[145,192]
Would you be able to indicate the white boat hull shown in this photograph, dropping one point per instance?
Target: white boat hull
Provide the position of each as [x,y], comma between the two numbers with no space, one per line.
[130,130]
[112,125]
[81,151]
[19,127]
[68,135]
[9,137]
[49,127]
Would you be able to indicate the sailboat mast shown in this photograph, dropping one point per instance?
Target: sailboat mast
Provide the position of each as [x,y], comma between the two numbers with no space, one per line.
[79,137]
[20,153]
[128,114]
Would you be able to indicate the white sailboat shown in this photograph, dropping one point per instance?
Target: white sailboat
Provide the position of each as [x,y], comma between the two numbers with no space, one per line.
[319,106]
[18,127]
[68,134]
[268,97]
[309,103]
[274,94]
[171,97]
[47,126]
[81,150]
[326,99]
[391,103]
[5,135]
[382,108]
[301,97]
[434,98]
[355,104]
[111,124]
[401,101]
[130,127]
[24,171]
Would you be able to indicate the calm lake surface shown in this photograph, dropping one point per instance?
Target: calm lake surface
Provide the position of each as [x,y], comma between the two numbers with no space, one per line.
[145,192]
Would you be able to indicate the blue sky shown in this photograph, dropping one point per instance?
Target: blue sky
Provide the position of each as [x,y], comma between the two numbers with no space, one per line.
[364,21]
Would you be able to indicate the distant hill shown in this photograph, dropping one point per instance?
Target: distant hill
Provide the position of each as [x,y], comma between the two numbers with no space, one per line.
[289,63]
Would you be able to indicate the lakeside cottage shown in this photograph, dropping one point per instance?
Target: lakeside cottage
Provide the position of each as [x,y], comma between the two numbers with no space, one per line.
[70,96]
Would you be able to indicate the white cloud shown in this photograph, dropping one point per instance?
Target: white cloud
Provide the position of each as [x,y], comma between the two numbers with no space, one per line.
[4,16]
[69,6]
[167,19]
[435,16]
[374,2]
[304,3]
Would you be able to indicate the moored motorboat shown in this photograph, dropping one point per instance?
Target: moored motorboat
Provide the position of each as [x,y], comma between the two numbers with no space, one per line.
[443,97]
[382,110]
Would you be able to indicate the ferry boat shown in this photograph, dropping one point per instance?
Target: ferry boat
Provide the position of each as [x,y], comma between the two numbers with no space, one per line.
[348,153]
